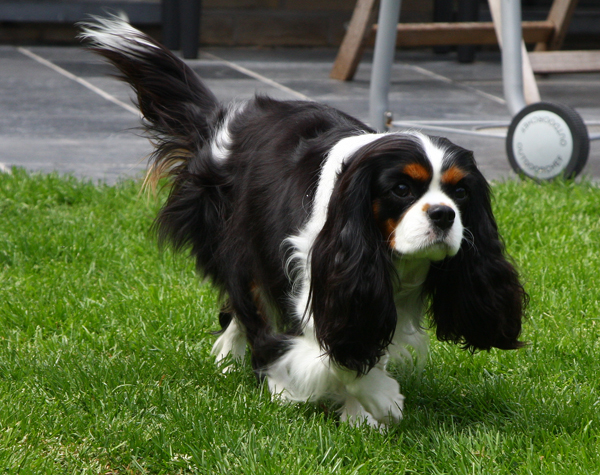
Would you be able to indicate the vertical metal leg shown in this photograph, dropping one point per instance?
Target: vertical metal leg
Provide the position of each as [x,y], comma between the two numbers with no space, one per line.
[170,24]
[468,10]
[190,27]
[443,11]
[512,61]
[383,58]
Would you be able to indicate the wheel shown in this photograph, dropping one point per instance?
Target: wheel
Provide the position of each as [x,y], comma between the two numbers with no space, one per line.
[546,141]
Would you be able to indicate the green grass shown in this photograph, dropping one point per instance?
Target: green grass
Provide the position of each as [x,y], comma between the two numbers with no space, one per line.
[105,362]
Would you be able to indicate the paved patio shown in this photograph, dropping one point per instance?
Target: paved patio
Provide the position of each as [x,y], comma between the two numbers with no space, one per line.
[60,109]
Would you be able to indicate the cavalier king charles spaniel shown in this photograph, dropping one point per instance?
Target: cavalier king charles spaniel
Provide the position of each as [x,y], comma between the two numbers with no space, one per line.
[330,243]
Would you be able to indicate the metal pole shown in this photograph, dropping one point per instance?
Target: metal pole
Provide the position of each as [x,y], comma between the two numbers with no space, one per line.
[190,11]
[170,24]
[383,58]
[512,61]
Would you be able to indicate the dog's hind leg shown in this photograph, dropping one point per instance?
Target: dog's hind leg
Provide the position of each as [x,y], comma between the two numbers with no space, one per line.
[250,323]
[231,341]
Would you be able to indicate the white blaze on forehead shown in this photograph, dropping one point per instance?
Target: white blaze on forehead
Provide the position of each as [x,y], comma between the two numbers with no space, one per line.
[435,155]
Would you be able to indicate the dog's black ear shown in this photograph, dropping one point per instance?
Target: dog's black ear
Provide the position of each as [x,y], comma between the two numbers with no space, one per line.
[351,282]
[477,299]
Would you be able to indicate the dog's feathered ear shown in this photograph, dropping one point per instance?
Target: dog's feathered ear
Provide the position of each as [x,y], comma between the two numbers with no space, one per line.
[477,299]
[351,284]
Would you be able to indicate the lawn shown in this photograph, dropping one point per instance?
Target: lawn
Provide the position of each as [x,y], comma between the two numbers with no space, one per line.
[105,362]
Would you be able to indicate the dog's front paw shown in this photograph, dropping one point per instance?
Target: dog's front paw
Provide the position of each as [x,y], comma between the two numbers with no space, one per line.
[379,394]
[355,414]
[388,408]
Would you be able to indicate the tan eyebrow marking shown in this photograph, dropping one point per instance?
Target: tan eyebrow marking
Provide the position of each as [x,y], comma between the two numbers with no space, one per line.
[453,175]
[417,172]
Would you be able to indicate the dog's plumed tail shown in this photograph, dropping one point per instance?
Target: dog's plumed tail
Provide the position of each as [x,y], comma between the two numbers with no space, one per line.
[178,110]
[174,103]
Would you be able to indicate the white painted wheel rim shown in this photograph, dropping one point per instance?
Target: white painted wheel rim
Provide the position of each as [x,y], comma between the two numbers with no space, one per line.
[542,144]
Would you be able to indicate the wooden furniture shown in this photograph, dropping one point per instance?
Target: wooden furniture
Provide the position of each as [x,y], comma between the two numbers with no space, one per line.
[548,35]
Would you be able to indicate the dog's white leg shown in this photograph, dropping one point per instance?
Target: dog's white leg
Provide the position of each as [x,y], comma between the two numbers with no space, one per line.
[377,392]
[304,373]
[231,341]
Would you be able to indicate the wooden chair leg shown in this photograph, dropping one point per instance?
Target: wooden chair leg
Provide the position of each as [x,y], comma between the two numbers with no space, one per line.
[560,14]
[351,49]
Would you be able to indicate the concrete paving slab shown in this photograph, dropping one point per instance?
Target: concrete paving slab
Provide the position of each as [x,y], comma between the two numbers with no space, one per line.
[53,118]
[48,122]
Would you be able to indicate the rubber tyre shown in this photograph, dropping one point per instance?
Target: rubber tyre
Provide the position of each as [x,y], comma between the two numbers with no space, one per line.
[546,141]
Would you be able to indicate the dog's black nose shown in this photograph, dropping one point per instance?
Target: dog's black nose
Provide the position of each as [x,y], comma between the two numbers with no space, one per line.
[442,216]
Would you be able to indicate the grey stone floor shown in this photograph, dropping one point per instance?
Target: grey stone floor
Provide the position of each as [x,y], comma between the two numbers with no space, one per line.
[55,115]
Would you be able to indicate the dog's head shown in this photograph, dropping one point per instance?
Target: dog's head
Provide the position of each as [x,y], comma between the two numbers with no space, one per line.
[421,189]
[409,196]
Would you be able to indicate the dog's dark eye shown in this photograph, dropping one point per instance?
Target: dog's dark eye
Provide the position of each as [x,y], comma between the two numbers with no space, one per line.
[461,193]
[402,191]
